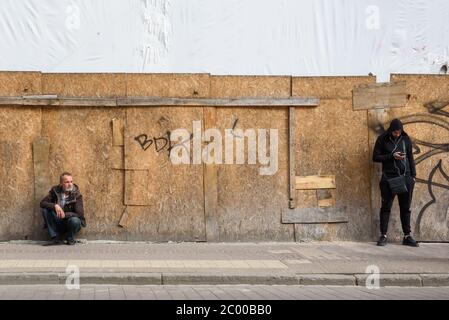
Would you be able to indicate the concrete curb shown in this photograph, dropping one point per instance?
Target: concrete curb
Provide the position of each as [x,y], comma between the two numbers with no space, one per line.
[396,280]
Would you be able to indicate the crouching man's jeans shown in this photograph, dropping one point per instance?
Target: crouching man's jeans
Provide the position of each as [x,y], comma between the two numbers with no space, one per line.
[59,227]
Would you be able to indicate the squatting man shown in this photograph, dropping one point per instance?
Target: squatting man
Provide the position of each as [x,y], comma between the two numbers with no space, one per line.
[63,211]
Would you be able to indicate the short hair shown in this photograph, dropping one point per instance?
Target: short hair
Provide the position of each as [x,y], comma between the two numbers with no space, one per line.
[65,173]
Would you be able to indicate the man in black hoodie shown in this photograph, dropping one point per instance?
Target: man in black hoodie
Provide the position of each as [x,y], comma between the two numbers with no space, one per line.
[394,150]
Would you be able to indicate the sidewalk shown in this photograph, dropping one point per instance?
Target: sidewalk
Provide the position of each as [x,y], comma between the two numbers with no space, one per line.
[314,263]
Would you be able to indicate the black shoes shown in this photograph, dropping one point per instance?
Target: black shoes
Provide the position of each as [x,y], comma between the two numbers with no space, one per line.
[382,241]
[409,241]
[71,242]
[56,241]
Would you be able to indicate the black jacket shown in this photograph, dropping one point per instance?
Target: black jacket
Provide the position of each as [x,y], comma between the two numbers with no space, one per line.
[73,207]
[383,152]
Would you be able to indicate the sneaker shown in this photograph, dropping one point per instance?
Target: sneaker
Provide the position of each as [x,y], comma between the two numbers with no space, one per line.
[71,242]
[382,241]
[55,241]
[409,241]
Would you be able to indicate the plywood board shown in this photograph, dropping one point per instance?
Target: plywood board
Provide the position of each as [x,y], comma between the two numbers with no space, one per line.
[41,151]
[210,183]
[333,139]
[117,132]
[19,83]
[249,86]
[137,188]
[315,182]
[168,85]
[176,192]
[326,198]
[379,96]
[18,130]
[315,215]
[328,87]
[84,85]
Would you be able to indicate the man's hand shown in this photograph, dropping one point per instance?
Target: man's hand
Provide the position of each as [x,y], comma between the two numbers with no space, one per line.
[398,156]
[59,212]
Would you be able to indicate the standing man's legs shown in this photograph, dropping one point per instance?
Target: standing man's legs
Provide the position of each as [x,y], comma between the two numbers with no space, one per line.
[385,210]
[405,201]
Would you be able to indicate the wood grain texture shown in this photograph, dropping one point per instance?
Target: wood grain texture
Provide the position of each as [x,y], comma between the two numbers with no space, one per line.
[379,96]
[315,182]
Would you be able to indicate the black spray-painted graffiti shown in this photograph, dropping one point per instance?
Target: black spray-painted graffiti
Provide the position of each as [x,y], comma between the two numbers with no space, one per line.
[435,116]
[160,143]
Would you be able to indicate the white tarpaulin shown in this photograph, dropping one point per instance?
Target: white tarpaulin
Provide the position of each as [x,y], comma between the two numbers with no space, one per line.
[245,37]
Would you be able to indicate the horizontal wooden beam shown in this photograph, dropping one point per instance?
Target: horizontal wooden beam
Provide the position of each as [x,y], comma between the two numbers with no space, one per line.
[48,100]
[315,182]
[315,215]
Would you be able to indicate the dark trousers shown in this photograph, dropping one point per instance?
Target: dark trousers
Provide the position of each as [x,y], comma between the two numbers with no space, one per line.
[60,227]
[405,201]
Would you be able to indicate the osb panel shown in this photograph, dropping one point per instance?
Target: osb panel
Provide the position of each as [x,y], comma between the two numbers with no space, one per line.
[328,87]
[136,187]
[250,204]
[176,210]
[333,140]
[425,88]
[18,129]
[432,129]
[168,85]
[249,86]
[84,84]
[20,83]
[81,143]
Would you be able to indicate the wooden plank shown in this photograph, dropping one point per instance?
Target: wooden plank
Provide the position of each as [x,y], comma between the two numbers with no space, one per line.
[379,96]
[117,132]
[124,219]
[375,119]
[210,184]
[291,157]
[250,102]
[136,188]
[41,165]
[325,197]
[157,102]
[315,182]
[315,215]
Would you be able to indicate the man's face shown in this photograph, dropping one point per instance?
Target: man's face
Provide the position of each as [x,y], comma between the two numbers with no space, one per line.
[396,133]
[67,183]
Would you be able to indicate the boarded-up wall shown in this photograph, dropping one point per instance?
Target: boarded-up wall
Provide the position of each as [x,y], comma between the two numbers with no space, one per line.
[139,188]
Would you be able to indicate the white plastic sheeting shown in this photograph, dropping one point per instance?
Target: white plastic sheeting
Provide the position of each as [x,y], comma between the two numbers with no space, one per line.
[263,37]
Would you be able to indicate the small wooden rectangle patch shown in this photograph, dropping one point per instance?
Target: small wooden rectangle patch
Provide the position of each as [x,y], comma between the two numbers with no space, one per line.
[379,96]
[315,182]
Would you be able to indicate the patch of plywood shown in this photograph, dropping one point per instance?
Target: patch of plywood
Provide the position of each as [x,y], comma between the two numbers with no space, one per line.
[379,95]
[249,86]
[328,87]
[84,84]
[315,182]
[20,83]
[168,85]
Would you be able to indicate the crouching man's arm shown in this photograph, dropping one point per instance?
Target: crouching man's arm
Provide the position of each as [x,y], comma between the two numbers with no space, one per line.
[79,209]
